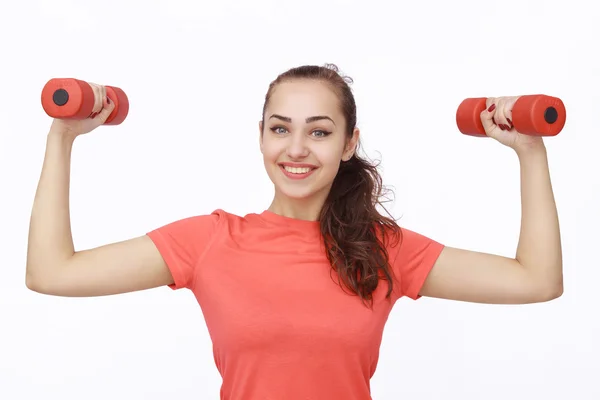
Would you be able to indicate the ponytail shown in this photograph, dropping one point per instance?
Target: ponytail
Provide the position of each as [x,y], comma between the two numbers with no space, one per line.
[355,234]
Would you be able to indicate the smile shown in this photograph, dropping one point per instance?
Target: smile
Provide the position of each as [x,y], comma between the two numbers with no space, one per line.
[297,171]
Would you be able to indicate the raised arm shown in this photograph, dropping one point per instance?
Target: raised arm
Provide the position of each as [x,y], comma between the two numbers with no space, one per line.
[53,265]
[535,273]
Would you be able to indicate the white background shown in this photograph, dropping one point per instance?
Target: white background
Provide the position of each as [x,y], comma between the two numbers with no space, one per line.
[196,74]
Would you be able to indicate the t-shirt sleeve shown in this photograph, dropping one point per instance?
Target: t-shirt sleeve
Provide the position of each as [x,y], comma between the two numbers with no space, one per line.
[412,258]
[183,243]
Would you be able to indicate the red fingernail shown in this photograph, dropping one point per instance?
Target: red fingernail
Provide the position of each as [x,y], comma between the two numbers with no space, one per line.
[509,121]
[492,108]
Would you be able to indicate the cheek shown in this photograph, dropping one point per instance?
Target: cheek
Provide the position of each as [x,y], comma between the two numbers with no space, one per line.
[329,158]
[270,150]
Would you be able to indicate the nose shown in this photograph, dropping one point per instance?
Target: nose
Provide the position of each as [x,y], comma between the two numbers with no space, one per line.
[297,148]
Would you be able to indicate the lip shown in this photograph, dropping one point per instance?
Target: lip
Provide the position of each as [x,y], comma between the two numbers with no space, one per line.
[297,165]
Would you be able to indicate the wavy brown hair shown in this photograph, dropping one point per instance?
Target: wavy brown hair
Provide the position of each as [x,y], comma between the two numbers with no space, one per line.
[355,234]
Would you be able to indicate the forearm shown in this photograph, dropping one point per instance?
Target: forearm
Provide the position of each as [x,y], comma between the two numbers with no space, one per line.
[50,239]
[539,249]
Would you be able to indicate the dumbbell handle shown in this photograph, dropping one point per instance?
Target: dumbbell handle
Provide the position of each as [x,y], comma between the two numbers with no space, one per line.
[70,98]
[535,115]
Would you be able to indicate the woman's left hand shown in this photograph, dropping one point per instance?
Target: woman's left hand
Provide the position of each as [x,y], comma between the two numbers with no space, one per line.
[497,122]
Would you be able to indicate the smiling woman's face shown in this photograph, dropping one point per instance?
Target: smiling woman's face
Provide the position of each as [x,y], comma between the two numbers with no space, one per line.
[303,139]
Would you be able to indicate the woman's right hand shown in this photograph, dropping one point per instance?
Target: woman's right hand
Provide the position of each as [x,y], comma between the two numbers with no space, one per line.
[101,111]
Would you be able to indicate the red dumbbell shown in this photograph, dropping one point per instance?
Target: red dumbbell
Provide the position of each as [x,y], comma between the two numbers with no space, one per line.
[535,115]
[69,98]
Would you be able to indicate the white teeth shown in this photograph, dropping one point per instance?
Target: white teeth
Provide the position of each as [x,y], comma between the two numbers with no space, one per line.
[295,170]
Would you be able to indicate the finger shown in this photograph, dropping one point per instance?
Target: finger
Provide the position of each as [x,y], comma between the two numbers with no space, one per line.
[488,103]
[507,113]
[97,99]
[108,107]
[103,96]
[508,107]
[487,118]
[500,116]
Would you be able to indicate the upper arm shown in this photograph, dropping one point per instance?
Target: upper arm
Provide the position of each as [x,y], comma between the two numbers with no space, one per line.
[165,256]
[483,278]
[120,267]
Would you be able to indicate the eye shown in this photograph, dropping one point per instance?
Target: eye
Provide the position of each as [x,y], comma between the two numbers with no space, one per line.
[320,133]
[279,130]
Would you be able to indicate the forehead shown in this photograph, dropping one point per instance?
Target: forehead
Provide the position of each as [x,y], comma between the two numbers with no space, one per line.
[304,98]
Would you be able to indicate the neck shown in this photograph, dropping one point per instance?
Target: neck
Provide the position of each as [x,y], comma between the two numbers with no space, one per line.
[308,209]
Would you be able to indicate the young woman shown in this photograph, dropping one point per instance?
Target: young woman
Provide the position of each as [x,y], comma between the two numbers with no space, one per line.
[296,297]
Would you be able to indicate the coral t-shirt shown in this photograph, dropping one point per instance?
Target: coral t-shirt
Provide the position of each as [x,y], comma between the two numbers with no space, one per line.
[281,325]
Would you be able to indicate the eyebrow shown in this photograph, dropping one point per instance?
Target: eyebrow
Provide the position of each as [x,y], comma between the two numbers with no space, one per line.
[308,120]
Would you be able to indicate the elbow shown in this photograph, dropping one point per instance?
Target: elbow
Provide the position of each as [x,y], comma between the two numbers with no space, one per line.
[31,277]
[47,279]
[546,283]
[31,283]
[34,283]
[556,286]
[557,291]
[551,292]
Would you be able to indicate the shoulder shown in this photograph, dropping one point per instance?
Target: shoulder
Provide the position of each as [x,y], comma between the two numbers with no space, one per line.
[192,227]
[213,222]
[409,249]
[216,216]
[401,238]
[411,255]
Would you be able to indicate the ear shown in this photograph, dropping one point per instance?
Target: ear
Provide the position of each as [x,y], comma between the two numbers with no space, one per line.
[260,135]
[351,145]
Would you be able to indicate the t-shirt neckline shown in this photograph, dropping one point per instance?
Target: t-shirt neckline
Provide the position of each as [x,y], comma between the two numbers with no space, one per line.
[282,220]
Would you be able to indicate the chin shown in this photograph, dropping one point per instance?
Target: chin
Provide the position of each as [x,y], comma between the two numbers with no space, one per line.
[305,189]
[307,192]
[297,193]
